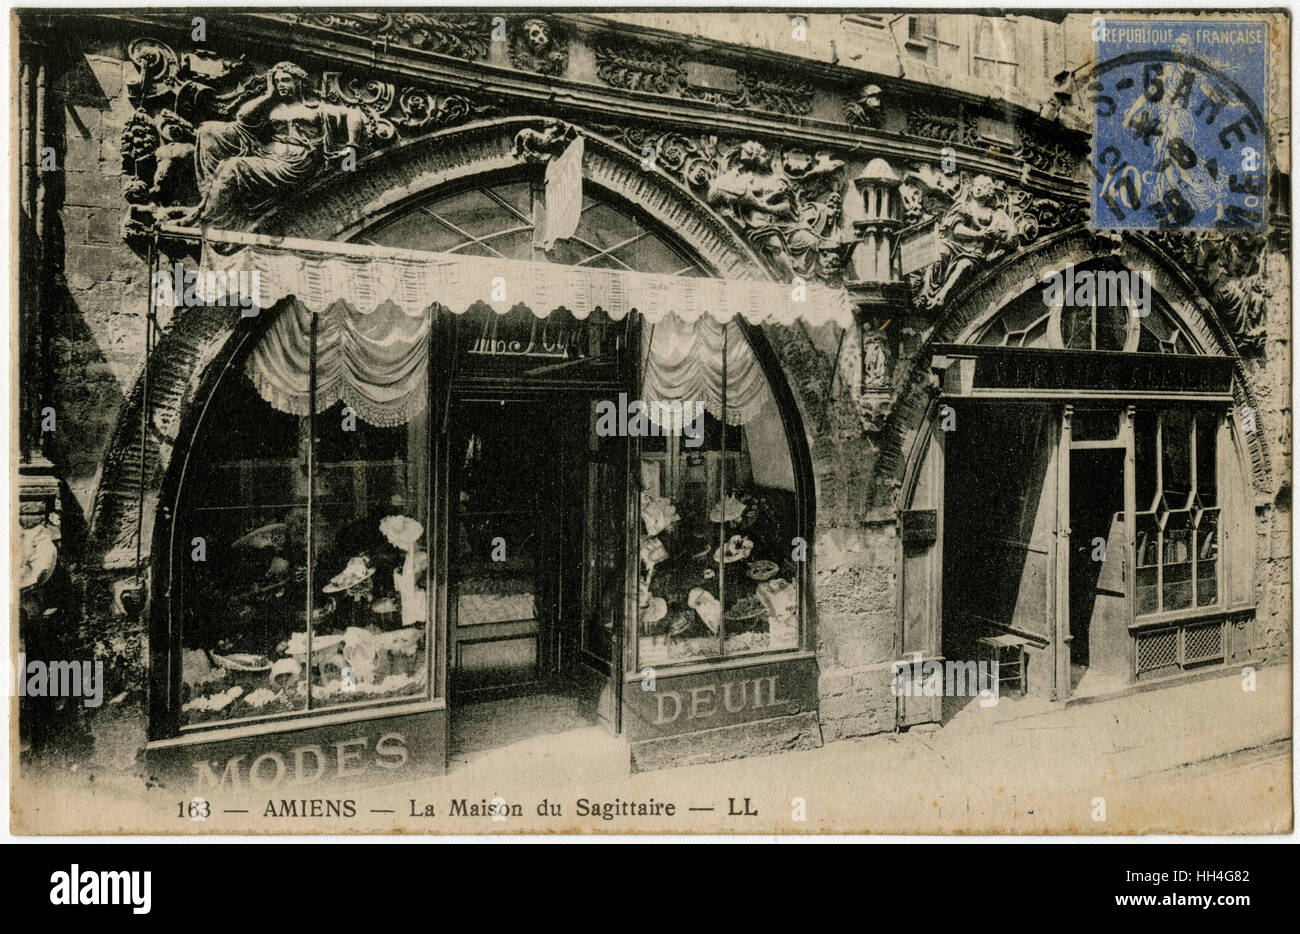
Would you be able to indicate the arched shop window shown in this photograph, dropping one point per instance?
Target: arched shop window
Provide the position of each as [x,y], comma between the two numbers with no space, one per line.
[255,490]
[265,630]
[720,559]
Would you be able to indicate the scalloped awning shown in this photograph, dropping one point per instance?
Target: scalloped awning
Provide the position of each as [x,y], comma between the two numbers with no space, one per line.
[370,309]
[320,273]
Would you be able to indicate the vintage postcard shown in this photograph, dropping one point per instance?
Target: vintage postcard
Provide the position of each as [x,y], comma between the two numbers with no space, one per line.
[674,421]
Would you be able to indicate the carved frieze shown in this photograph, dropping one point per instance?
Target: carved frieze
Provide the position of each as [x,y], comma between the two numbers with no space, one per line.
[759,92]
[669,71]
[785,200]
[221,141]
[959,223]
[638,67]
[941,127]
[1049,156]
[463,35]
[1036,143]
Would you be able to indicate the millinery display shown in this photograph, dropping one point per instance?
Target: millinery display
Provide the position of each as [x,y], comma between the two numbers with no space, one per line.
[357,650]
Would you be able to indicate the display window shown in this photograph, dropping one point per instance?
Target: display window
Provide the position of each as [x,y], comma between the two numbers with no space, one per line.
[302,551]
[370,539]
[720,558]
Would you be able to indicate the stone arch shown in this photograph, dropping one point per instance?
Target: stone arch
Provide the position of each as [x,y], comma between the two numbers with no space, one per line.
[985,295]
[336,208]
[385,182]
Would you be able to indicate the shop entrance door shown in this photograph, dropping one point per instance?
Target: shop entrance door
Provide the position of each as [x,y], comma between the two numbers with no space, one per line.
[999,539]
[506,546]
[1098,594]
[536,550]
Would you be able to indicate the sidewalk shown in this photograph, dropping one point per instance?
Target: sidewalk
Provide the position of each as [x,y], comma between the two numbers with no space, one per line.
[992,771]
[1012,768]
[1133,735]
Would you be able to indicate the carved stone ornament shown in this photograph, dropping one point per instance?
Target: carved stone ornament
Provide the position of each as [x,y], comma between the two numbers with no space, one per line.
[1037,143]
[942,127]
[665,70]
[1233,268]
[769,198]
[543,145]
[635,66]
[539,45]
[875,358]
[462,35]
[785,201]
[221,141]
[959,224]
[872,355]
[866,111]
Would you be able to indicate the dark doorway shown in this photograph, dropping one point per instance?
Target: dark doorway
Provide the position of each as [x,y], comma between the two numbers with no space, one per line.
[535,547]
[1000,519]
[1098,546]
[505,574]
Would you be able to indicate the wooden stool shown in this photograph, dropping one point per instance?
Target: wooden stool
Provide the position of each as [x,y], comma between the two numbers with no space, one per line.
[1009,652]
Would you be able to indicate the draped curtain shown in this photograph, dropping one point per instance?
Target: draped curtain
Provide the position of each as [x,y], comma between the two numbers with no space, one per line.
[682,362]
[377,363]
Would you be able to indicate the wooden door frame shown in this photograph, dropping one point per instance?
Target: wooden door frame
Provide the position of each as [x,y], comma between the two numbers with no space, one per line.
[458,394]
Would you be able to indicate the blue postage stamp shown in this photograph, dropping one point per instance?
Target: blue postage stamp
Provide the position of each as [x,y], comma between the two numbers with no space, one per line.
[1181,139]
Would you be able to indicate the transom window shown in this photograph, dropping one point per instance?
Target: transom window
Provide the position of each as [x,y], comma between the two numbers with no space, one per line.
[1091,321]
[499,220]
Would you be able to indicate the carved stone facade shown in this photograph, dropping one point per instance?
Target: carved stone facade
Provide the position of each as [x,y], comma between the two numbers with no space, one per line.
[759,165]
[785,201]
[1236,267]
[168,164]
[673,72]
[960,224]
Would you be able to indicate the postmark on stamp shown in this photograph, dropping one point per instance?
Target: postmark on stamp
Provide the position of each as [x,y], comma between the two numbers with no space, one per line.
[1181,136]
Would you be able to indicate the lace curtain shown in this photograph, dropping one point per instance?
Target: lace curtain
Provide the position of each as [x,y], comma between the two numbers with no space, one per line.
[377,363]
